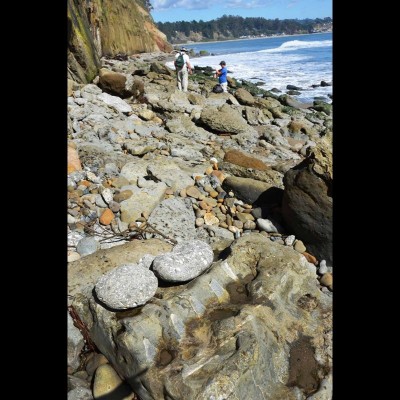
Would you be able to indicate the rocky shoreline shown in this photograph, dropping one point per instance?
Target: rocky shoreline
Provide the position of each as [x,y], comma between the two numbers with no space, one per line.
[199,238]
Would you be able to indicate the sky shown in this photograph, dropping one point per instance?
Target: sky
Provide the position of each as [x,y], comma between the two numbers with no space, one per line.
[206,10]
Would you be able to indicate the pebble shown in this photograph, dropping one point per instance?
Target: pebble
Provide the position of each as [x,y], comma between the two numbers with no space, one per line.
[299,246]
[106,217]
[323,269]
[107,195]
[266,225]
[327,280]
[100,201]
[107,384]
[199,222]
[73,256]
[114,206]
[87,245]
[310,258]
[210,219]
[71,219]
[92,177]
[290,240]
[124,195]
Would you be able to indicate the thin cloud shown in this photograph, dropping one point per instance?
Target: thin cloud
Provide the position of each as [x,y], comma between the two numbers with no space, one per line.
[292,3]
[205,4]
[186,4]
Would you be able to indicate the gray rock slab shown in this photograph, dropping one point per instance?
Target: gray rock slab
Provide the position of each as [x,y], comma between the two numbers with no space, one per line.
[143,200]
[186,261]
[90,88]
[115,102]
[141,146]
[174,218]
[253,191]
[126,286]
[170,173]
[135,169]
[187,153]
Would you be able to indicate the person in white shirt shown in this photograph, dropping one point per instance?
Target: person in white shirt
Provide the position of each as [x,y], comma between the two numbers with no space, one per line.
[182,72]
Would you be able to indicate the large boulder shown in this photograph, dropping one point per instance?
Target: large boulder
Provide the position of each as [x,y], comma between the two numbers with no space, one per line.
[113,83]
[224,119]
[307,202]
[253,191]
[254,326]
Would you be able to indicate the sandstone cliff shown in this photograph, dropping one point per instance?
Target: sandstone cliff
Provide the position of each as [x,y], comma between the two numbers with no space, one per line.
[108,27]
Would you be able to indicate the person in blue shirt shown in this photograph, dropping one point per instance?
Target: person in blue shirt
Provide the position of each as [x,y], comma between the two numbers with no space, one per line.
[221,73]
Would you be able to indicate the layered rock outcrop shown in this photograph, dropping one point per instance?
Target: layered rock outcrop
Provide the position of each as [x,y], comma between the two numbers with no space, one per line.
[99,28]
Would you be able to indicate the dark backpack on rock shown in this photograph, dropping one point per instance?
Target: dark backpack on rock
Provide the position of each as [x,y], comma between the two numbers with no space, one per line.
[180,62]
[217,88]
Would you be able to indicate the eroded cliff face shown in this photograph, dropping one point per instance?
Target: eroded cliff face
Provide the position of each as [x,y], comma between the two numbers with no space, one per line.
[83,56]
[108,27]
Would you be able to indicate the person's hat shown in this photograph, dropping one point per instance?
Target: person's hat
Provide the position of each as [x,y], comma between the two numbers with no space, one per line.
[222,63]
[184,49]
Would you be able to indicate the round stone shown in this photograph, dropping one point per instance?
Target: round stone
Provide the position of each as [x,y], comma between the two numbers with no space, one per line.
[127,286]
[299,246]
[87,245]
[199,222]
[327,280]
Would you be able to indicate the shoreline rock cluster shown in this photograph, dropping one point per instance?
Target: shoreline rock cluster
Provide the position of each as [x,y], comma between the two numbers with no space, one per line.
[168,192]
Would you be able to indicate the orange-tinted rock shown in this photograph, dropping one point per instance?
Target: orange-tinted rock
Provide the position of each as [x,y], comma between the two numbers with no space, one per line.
[218,174]
[327,280]
[310,258]
[209,170]
[238,158]
[84,182]
[107,217]
[210,219]
[74,164]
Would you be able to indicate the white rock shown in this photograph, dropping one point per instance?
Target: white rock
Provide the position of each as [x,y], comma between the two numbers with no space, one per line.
[71,219]
[115,102]
[186,261]
[127,286]
[266,225]
[323,269]
[290,240]
[107,195]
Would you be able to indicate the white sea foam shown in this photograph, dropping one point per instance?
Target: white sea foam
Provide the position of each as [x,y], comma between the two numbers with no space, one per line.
[278,67]
[275,62]
[298,44]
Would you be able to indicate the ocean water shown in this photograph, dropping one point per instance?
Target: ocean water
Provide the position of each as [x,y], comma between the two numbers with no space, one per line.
[300,60]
